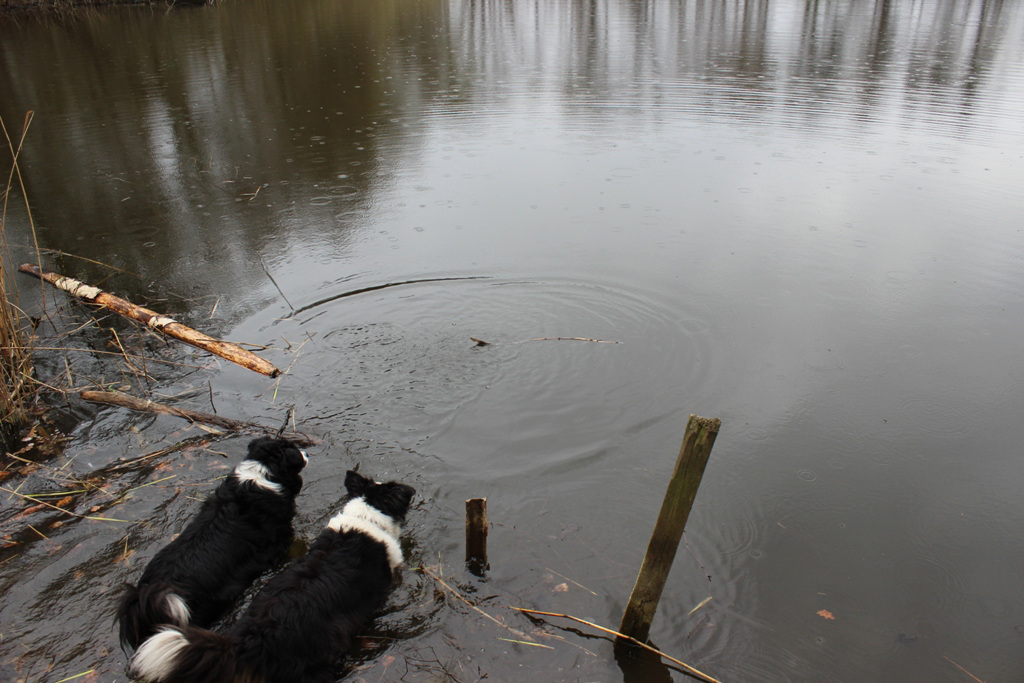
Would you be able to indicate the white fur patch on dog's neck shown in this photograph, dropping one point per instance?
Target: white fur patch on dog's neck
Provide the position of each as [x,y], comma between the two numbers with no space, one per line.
[256,472]
[358,516]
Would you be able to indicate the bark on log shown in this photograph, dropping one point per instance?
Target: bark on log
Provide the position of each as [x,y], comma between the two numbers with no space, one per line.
[161,323]
[116,398]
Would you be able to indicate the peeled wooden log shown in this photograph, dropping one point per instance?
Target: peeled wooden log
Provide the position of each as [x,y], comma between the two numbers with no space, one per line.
[161,323]
[117,398]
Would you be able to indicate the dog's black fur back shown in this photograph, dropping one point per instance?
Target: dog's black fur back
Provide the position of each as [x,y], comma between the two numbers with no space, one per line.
[241,530]
[306,617]
[339,586]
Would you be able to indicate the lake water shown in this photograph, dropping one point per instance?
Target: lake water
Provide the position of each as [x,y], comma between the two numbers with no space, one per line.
[804,218]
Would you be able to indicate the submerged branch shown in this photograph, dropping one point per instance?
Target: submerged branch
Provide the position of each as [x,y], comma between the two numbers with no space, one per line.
[117,398]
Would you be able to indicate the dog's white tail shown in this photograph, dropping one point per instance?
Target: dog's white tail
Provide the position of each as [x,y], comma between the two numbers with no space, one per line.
[156,658]
[185,655]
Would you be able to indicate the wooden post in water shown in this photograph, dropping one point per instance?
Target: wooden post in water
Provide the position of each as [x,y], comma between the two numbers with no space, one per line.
[675,509]
[476,535]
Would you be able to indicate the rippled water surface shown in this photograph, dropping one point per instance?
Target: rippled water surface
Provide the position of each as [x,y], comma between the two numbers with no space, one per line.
[804,218]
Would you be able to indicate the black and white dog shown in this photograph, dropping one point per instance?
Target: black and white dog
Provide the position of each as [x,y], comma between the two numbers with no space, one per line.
[243,528]
[307,616]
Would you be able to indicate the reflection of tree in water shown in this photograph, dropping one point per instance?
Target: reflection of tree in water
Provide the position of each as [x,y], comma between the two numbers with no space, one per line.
[169,144]
[194,138]
[758,50]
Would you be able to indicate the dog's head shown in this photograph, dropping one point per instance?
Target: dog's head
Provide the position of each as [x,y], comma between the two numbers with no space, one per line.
[280,459]
[391,498]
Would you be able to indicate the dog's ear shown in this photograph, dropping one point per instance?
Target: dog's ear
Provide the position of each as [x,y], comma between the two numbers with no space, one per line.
[258,447]
[356,484]
[399,497]
[294,458]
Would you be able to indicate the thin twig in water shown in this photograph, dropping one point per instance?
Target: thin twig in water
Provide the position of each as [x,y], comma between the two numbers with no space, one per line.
[148,483]
[476,609]
[962,669]
[58,252]
[696,559]
[277,383]
[689,669]
[71,678]
[212,406]
[481,342]
[582,339]
[124,354]
[280,291]
[524,642]
[287,419]
[699,605]
[496,620]
[578,585]
[459,595]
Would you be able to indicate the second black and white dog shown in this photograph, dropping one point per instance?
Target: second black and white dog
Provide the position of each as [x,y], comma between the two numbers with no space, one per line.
[306,617]
[243,528]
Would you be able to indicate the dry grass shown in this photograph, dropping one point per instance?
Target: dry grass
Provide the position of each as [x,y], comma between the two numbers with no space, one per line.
[16,387]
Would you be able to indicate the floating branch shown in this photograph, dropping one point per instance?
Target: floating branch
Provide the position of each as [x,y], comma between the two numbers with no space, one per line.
[686,667]
[582,339]
[267,271]
[481,342]
[675,509]
[116,398]
[168,326]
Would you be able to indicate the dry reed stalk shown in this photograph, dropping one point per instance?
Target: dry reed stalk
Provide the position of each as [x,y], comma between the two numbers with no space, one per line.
[962,669]
[514,631]
[16,388]
[60,509]
[686,667]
